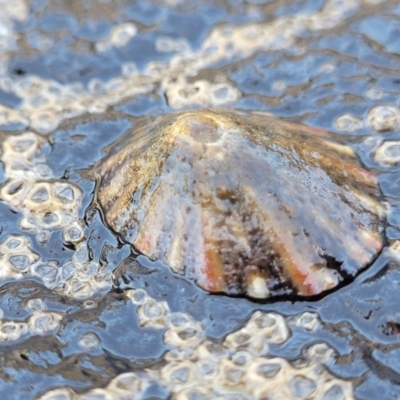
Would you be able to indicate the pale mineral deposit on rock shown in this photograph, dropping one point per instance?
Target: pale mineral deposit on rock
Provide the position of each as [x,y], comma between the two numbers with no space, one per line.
[243,203]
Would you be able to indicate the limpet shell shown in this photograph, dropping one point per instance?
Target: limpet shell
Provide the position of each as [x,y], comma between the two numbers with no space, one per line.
[243,203]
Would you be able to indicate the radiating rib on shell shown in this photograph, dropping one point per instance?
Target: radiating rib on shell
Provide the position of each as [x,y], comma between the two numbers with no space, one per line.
[243,203]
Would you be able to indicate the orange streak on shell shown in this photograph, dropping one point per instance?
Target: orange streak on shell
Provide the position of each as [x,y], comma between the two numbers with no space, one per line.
[211,275]
[359,173]
[143,244]
[367,175]
[300,276]
[213,271]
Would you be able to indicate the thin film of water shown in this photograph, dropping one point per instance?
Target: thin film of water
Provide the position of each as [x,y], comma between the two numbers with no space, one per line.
[81,316]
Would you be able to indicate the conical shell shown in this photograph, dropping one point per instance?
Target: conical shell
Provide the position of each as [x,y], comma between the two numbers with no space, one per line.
[243,203]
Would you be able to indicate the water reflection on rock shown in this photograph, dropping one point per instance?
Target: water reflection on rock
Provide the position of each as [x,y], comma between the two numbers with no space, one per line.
[75,322]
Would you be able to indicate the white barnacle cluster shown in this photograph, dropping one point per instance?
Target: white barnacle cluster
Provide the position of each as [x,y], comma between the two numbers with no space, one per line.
[83,276]
[333,13]
[387,153]
[41,322]
[45,103]
[129,385]
[348,123]
[384,118]
[119,36]
[16,257]
[201,93]
[228,42]
[239,367]
[261,330]
[167,44]
[151,313]
[78,278]
[309,321]
[89,341]
[47,205]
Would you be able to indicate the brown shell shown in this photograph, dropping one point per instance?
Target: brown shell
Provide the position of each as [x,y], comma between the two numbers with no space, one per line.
[243,203]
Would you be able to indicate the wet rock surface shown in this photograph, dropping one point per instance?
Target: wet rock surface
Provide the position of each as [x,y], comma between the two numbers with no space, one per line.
[82,315]
[243,203]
